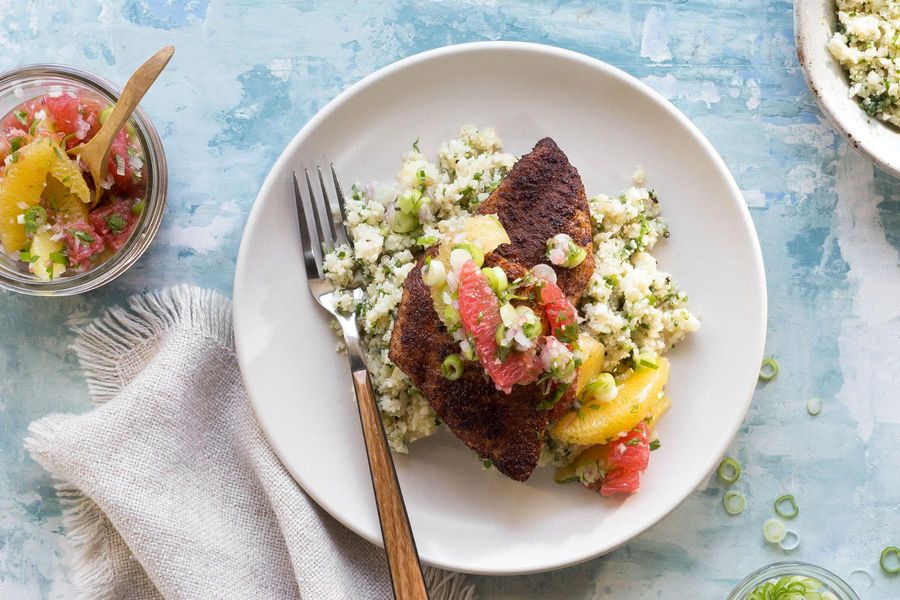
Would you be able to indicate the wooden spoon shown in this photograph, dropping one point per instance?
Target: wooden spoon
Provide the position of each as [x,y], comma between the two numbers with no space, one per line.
[95,153]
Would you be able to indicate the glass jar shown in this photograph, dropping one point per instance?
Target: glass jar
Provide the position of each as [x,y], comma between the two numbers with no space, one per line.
[26,83]
[838,588]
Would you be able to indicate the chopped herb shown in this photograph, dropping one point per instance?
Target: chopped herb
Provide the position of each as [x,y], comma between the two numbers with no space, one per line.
[654,445]
[487,463]
[83,236]
[558,392]
[59,258]
[14,157]
[116,223]
[21,117]
[633,442]
[33,127]
[415,145]
[16,143]
[567,334]
[137,208]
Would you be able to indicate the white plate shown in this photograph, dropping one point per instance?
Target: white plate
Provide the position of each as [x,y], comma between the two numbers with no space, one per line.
[814,23]
[465,518]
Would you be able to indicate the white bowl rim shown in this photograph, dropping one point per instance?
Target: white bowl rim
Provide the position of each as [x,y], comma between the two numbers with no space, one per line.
[746,392]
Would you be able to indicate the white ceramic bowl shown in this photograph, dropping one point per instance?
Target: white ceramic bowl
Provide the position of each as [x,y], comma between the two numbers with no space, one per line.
[814,24]
[466,518]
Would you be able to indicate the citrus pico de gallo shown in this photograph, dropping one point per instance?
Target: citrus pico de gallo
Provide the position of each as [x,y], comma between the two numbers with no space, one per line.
[48,222]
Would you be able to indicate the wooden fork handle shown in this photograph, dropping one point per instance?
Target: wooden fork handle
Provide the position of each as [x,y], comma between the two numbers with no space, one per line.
[403,559]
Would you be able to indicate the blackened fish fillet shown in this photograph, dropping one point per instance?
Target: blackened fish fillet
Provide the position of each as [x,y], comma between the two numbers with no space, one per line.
[540,197]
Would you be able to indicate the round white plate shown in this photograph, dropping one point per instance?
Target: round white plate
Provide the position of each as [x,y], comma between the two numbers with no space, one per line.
[465,518]
[814,24]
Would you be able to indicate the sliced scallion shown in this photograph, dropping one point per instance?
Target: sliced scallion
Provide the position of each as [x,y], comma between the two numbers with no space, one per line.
[786,507]
[734,502]
[434,273]
[602,387]
[791,540]
[496,278]
[452,367]
[38,213]
[814,406]
[774,531]
[474,251]
[404,223]
[729,470]
[769,369]
[647,360]
[890,560]
[500,336]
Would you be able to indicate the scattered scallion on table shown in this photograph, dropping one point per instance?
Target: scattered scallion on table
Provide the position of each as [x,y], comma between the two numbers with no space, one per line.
[814,406]
[774,531]
[791,540]
[729,470]
[786,507]
[890,560]
[769,369]
[734,502]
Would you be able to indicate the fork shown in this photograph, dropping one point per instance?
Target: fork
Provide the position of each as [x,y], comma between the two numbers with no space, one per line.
[403,558]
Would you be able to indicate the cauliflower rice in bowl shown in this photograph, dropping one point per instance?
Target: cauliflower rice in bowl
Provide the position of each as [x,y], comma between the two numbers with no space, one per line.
[631,307]
[867,45]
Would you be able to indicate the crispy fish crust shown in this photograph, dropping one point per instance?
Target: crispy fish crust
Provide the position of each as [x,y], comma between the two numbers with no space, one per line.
[541,196]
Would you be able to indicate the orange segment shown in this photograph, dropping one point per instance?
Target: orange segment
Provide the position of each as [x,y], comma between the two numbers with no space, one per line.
[25,182]
[592,355]
[60,198]
[594,454]
[597,422]
[42,247]
[67,171]
[21,189]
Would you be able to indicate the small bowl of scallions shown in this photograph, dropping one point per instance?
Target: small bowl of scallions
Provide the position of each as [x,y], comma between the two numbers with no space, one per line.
[790,580]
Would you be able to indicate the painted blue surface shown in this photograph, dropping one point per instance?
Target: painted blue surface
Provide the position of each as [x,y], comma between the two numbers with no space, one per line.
[248,75]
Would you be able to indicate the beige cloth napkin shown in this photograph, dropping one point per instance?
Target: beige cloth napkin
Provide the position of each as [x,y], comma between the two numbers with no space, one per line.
[169,487]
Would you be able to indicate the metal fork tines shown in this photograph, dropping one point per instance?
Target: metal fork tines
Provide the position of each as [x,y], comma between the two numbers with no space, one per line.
[325,240]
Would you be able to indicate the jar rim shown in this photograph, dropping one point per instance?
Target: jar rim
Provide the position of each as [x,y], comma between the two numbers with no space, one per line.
[834,584]
[154,197]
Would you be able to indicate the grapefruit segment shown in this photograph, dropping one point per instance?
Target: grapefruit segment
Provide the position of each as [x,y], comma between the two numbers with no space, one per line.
[479,311]
[560,313]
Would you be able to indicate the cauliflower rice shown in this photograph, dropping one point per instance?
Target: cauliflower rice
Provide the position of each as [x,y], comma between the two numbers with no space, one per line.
[867,45]
[630,305]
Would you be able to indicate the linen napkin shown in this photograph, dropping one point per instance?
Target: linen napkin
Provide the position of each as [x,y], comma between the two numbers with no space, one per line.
[169,487]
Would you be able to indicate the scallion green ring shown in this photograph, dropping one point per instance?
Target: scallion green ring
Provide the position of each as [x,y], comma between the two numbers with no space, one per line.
[814,406]
[768,375]
[729,470]
[794,509]
[893,567]
[734,502]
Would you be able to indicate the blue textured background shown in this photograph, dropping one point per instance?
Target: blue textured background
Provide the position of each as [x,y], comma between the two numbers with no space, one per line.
[248,75]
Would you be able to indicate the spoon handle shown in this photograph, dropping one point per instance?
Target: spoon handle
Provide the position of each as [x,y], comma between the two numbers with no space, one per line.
[134,90]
